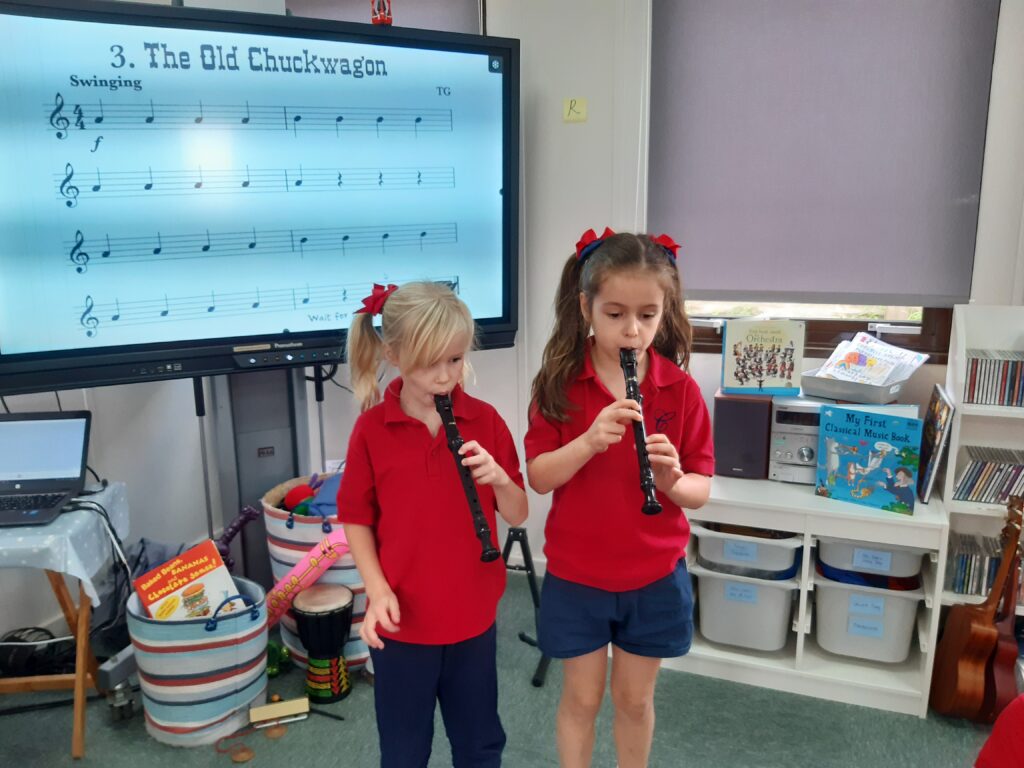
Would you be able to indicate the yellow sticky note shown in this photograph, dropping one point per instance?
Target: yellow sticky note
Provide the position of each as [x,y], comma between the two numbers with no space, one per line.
[574,110]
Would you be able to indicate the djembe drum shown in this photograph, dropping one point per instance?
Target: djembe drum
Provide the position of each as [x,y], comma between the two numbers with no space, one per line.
[323,616]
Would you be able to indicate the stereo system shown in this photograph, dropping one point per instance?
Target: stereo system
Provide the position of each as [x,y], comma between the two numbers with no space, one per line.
[793,454]
[742,426]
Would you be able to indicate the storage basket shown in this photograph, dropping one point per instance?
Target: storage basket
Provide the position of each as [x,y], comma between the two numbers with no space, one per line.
[287,546]
[750,613]
[865,622]
[754,556]
[199,676]
[870,558]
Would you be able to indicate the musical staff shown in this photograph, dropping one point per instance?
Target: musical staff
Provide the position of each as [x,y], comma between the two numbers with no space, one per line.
[246,116]
[156,183]
[305,298]
[163,246]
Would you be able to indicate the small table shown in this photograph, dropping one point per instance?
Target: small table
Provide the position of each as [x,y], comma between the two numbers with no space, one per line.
[76,544]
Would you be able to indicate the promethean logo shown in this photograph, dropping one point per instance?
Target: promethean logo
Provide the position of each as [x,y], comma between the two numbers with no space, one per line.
[287,344]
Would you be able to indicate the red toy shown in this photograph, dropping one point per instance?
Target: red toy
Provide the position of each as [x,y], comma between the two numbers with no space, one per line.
[298,498]
[380,12]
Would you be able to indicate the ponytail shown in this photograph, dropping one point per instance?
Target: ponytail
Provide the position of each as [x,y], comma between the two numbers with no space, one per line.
[365,351]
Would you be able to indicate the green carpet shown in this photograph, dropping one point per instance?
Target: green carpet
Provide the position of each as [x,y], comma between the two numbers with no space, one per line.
[702,723]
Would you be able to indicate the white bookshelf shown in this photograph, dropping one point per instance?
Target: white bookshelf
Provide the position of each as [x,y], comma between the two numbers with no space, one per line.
[802,666]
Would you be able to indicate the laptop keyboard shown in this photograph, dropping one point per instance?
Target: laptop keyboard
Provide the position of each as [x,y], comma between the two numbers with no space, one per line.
[30,501]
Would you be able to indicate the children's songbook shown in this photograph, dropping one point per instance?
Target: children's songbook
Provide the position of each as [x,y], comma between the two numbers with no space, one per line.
[937,423]
[188,586]
[870,457]
[762,357]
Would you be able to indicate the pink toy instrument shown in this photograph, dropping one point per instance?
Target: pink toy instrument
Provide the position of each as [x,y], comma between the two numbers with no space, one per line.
[305,574]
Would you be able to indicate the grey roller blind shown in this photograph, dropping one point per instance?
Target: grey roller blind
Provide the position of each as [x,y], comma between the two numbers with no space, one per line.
[441,15]
[821,150]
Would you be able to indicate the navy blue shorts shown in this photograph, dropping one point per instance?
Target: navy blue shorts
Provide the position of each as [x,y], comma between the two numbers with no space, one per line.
[655,620]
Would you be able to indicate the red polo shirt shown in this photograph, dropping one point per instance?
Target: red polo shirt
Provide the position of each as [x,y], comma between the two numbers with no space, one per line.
[405,485]
[596,534]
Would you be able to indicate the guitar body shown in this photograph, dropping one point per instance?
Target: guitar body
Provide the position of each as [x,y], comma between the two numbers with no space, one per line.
[958,679]
[1000,672]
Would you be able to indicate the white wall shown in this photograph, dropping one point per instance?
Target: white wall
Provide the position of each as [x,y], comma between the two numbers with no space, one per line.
[575,176]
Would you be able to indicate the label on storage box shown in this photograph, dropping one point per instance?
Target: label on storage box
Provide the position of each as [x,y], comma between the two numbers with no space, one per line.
[867,605]
[740,593]
[739,550]
[872,560]
[865,627]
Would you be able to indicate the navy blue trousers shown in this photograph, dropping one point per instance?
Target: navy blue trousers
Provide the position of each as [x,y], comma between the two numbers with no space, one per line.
[463,677]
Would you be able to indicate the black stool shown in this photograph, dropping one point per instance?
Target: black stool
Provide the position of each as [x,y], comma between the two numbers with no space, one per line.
[518,535]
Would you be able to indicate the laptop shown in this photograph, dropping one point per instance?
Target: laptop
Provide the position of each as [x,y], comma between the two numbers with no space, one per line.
[42,464]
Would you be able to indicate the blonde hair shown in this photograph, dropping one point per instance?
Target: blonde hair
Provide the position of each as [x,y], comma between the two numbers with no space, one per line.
[419,322]
[563,356]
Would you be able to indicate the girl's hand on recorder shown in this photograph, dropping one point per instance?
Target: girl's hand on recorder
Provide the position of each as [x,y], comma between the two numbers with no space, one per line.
[486,471]
[664,462]
[383,610]
[610,425]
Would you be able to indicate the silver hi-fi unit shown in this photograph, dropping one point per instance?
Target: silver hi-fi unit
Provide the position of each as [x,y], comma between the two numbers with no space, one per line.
[793,451]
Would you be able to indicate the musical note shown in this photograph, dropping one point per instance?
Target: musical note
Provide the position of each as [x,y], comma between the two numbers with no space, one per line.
[337,124]
[302,250]
[159,245]
[117,314]
[206,247]
[99,182]
[295,124]
[199,184]
[79,118]
[416,126]
[67,189]
[79,256]
[99,118]
[88,320]
[306,300]
[298,181]
[380,119]
[106,252]
[213,302]
[344,240]
[57,119]
[247,180]
[252,243]
[149,185]
[245,120]
[256,304]
[167,308]
[152,113]
[384,241]
[200,118]
[422,235]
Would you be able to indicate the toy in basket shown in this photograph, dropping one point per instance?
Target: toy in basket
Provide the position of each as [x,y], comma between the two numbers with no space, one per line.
[305,540]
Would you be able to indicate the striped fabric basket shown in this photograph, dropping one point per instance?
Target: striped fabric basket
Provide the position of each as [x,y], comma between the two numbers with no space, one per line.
[287,546]
[199,676]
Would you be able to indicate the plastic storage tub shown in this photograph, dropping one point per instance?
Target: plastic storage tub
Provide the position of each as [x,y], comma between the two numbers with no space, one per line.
[851,391]
[865,622]
[753,556]
[736,610]
[870,558]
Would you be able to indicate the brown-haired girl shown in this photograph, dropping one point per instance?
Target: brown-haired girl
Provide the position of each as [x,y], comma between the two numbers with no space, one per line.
[432,602]
[615,575]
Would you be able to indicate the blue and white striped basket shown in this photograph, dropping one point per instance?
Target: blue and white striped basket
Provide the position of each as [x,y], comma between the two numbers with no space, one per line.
[289,545]
[199,676]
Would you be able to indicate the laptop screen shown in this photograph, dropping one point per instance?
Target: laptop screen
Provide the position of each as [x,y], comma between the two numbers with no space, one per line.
[34,449]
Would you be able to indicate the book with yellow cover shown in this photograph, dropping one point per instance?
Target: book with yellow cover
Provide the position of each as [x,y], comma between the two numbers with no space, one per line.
[188,586]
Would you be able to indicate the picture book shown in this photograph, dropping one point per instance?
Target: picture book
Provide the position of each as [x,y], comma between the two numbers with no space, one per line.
[870,457]
[188,586]
[867,360]
[938,420]
[762,357]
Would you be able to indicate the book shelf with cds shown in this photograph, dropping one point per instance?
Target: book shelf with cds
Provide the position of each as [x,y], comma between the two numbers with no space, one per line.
[985,434]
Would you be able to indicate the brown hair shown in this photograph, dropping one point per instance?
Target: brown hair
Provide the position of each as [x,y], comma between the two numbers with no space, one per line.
[419,321]
[563,354]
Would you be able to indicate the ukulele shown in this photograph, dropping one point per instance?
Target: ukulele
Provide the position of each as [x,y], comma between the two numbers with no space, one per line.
[1000,671]
[970,638]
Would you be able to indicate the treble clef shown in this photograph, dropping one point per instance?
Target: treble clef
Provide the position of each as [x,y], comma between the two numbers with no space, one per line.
[78,256]
[88,320]
[58,120]
[67,189]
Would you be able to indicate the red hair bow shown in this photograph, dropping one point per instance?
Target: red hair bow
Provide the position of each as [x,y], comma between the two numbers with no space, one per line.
[671,246]
[374,303]
[589,241]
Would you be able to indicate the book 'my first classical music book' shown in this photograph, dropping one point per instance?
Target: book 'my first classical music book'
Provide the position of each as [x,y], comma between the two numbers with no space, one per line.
[188,586]
[762,357]
[870,457]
